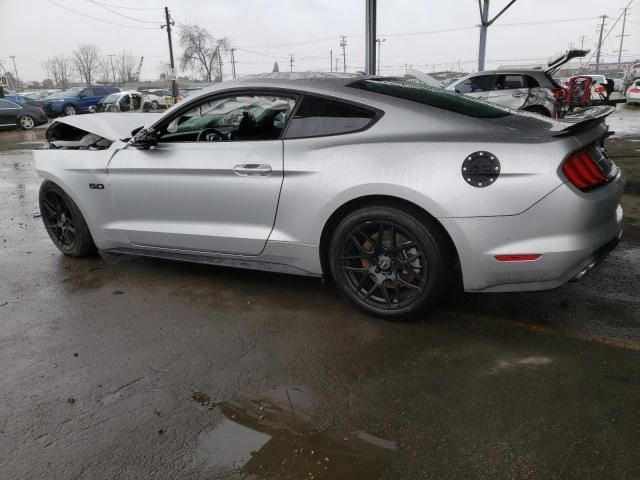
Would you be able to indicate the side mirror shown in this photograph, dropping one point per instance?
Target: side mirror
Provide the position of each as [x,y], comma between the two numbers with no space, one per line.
[144,138]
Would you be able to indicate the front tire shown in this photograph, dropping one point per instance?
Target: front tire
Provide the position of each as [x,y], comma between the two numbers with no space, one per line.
[155,105]
[69,110]
[391,263]
[64,222]
[27,122]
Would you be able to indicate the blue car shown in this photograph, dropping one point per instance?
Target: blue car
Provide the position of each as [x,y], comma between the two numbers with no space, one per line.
[76,100]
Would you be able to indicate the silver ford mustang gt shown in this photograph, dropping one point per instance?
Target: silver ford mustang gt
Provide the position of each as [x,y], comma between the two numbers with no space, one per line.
[394,189]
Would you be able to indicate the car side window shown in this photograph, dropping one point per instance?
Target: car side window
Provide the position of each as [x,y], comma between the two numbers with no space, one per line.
[481,83]
[7,105]
[318,116]
[231,118]
[99,91]
[509,82]
[87,92]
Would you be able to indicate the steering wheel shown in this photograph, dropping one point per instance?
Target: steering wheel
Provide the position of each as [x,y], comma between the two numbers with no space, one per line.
[212,132]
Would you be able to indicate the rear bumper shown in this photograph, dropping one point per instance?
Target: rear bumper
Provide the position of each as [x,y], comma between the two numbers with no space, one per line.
[573,231]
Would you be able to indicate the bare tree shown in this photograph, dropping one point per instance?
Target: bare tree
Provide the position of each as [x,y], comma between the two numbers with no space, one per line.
[59,69]
[202,52]
[104,73]
[86,59]
[126,66]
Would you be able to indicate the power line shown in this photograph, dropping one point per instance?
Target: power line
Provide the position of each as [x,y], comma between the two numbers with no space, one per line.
[118,13]
[131,8]
[605,37]
[99,19]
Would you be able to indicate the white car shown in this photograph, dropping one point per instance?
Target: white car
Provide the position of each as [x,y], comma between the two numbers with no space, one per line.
[633,92]
[157,98]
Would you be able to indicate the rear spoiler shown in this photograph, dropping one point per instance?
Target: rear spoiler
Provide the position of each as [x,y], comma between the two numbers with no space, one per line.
[583,121]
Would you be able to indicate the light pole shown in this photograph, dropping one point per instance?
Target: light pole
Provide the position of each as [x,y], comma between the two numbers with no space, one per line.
[379,42]
[485,23]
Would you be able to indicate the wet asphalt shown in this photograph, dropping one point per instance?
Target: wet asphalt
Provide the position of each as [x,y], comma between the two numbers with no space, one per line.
[119,367]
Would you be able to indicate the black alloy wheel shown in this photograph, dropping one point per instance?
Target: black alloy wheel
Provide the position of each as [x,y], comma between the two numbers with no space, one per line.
[58,220]
[390,263]
[64,222]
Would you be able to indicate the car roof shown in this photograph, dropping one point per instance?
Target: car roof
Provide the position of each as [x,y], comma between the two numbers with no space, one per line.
[321,83]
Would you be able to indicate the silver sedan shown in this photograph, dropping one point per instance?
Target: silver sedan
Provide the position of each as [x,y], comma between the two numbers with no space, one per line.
[396,190]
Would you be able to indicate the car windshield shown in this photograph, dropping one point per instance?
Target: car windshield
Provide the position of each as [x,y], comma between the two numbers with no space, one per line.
[434,97]
[598,78]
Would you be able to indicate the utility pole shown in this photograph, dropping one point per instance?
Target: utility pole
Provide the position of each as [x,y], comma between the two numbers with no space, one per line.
[343,44]
[291,60]
[604,17]
[13,57]
[371,39]
[379,42]
[337,59]
[174,85]
[624,22]
[219,61]
[485,23]
[113,70]
[233,63]
[331,60]
[582,38]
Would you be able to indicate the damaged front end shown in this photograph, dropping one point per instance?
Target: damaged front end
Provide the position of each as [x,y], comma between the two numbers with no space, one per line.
[61,135]
[94,132]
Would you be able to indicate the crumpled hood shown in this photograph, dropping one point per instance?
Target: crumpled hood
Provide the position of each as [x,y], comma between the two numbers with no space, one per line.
[112,126]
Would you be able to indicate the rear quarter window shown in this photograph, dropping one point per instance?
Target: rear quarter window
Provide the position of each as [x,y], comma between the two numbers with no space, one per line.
[318,116]
[434,97]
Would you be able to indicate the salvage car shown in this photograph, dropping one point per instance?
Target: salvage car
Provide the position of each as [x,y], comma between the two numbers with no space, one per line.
[129,101]
[530,89]
[397,190]
[16,115]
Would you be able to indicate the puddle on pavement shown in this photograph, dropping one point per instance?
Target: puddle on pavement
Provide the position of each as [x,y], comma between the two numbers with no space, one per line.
[272,437]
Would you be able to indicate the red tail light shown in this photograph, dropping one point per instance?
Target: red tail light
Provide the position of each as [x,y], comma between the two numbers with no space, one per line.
[518,257]
[582,171]
[634,90]
[559,93]
[600,89]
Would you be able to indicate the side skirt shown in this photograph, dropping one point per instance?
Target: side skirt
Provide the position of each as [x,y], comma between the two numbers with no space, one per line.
[235,261]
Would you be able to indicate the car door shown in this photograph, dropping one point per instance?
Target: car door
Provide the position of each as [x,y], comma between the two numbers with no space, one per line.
[9,113]
[213,181]
[86,98]
[509,90]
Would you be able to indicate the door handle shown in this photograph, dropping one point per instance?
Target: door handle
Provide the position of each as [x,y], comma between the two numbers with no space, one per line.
[252,169]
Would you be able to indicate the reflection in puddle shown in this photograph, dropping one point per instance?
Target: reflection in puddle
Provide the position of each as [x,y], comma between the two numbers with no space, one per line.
[271,437]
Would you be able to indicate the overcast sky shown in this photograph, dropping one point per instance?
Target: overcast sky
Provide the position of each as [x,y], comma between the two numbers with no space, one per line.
[264,31]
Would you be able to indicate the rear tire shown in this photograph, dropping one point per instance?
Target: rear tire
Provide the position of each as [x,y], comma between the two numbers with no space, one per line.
[27,122]
[392,263]
[64,222]
[155,105]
